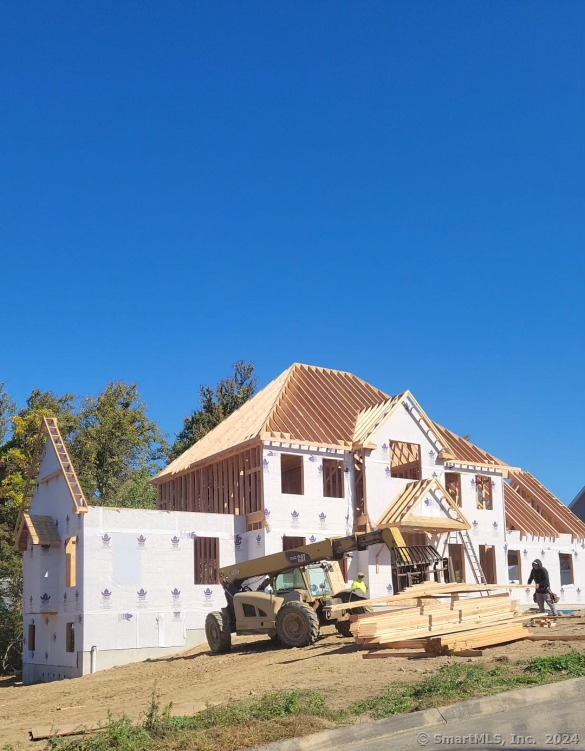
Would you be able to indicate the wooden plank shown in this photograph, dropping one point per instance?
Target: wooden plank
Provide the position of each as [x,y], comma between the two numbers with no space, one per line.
[430,522]
[412,619]
[261,496]
[556,637]
[230,474]
[216,506]
[227,502]
[241,489]
[484,640]
[253,486]
[404,644]
[382,655]
[444,630]
[419,631]
[468,653]
[46,734]
[428,589]
[203,489]
[415,615]
[483,637]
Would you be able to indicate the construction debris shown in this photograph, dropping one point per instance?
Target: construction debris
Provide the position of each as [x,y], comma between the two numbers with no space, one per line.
[442,623]
[543,623]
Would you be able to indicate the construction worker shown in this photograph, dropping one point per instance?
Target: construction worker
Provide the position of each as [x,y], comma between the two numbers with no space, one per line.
[360,584]
[542,594]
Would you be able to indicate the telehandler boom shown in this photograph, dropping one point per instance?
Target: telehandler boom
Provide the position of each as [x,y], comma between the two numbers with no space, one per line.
[288,595]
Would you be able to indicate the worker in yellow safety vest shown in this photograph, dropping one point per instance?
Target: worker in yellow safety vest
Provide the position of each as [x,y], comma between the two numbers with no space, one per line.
[360,584]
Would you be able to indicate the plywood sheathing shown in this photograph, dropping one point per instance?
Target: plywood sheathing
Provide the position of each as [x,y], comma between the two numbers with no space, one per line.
[42,531]
[305,405]
[399,513]
[322,406]
[241,426]
[547,505]
[522,517]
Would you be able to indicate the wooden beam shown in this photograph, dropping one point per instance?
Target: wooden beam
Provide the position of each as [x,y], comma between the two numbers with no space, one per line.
[556,637]
[468,653]
[385,654]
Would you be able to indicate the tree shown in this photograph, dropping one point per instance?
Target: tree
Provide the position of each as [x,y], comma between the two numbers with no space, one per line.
[136,492]
[216,405]
[10,564]
[114,441]
[7,409]
[21,452]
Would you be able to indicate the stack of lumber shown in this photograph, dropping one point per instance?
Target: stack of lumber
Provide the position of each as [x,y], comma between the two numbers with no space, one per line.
[412,594]
[441,623]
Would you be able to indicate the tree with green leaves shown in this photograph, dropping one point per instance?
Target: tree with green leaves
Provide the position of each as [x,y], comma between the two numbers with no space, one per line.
[7,409]
[216,404]
[116,448]
[10,561]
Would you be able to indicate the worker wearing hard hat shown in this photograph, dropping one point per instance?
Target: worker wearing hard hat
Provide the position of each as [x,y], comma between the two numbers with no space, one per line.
[360,584]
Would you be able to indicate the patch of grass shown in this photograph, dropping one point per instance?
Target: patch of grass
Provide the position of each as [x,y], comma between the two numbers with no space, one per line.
[122,734]
[572,663]
[271,717]
[244,735]
[268,707]
[289,714]
[156,723]
[461,681]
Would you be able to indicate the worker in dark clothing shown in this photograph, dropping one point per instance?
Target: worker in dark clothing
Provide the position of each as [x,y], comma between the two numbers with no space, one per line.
[542,595]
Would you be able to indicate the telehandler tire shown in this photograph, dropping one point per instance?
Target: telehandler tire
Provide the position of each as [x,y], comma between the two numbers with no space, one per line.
[297,625]
[218,631]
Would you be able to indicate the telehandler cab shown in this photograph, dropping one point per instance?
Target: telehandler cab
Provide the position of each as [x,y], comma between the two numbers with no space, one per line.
[289,595]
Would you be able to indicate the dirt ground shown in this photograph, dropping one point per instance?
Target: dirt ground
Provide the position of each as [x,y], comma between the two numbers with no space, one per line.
[196,678]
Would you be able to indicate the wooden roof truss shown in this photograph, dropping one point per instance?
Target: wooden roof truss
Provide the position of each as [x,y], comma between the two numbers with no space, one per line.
[305,406]
[400,512]
[522,517]
[548,506]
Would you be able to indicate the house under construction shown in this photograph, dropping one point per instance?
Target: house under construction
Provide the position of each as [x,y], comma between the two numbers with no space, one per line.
[317,453]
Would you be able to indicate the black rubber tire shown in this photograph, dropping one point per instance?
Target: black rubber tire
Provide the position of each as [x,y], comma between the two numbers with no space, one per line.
[344,626]
[218,632]
[297,625]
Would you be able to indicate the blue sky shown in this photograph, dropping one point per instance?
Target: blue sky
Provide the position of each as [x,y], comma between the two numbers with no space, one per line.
[390,188]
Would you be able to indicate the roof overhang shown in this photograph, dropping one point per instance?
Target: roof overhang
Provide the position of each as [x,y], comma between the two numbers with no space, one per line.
[42,530]
[165,476]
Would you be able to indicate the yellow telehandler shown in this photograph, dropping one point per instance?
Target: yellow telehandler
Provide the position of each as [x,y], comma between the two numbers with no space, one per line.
[288,595]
